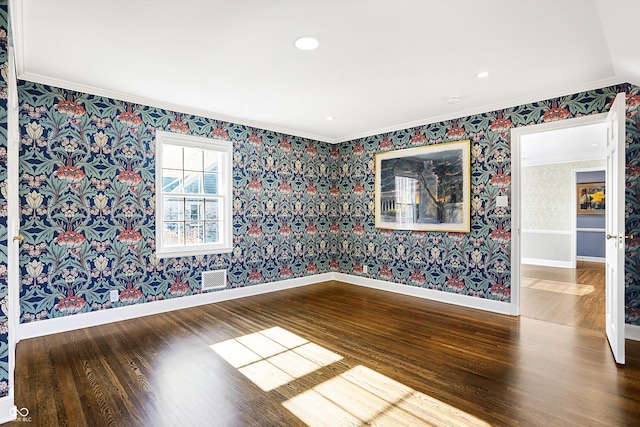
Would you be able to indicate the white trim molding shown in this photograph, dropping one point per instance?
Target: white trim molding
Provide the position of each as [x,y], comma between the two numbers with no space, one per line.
[222,196]
[590,258]
[430,294]
[7,408]
[18,22]
[143,100]
[102,317]
[516,205]
[151,102]
[591,230]
[13,228]
[632,332]
[561,232]
[547,262]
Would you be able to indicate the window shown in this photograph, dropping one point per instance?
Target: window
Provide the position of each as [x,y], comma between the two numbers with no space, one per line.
[407,199]
[193,195]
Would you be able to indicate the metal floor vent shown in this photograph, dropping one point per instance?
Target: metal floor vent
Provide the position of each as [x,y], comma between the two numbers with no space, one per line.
[214,279]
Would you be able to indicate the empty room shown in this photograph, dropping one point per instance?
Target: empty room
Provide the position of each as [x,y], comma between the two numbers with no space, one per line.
[319,213]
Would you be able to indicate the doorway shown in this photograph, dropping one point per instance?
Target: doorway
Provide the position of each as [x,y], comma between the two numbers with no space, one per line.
[551,282]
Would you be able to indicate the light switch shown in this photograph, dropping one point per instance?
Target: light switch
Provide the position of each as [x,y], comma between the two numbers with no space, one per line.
[502,201]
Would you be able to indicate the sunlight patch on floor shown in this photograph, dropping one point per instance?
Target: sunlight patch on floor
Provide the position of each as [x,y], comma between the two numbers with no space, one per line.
[362,396]
[274,357]
[560,287]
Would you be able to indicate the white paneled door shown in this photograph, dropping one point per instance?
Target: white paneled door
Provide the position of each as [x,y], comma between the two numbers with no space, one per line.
[615,188]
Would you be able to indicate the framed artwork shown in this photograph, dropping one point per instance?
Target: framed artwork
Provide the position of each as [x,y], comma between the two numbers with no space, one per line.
[424,188]
[591,198]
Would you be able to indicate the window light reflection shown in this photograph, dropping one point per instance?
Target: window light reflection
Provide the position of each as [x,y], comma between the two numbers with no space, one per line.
[558,287]
[362,396]
[274,357]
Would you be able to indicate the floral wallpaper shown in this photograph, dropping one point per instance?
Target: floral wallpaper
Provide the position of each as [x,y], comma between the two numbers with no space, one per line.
[547,195]
[632,209]
[301,207]
[87,196]
[477,263]
[4,324]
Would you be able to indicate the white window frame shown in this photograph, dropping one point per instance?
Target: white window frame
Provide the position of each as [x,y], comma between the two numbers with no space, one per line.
[225,178]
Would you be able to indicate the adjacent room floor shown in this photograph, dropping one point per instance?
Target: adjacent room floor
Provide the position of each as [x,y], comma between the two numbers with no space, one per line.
[573,297]
[329,354]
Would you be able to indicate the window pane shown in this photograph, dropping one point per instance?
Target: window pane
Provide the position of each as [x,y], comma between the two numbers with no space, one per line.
[211,159]
[192,159]
[173,209]
[213,236]
[212,208]
[210,183]
[193,182]
[173,234]
[194,209]
[171,181]
[195,185]
[194,233]
[171,157]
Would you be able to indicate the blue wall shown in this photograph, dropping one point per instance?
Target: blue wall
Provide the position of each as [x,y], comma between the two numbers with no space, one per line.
[590,243]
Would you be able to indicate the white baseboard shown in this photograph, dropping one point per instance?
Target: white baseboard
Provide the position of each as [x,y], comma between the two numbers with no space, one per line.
[101,317]
[632,332]
[590,259]
[546,262]
[7,413]
[86,320]
[441,296]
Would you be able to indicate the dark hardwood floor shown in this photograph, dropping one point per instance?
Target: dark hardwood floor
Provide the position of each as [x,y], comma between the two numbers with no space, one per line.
[329,354]
[573,297]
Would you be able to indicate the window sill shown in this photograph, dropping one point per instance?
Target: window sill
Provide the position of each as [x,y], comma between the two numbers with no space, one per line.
[168,253]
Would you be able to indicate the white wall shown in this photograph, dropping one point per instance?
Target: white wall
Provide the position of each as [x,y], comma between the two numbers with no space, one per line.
[547,212]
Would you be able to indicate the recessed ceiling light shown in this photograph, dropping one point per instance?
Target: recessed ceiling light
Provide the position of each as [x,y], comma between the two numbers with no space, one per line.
[329,118]
[594,145]
[482,74]
[452,99]
[306,43]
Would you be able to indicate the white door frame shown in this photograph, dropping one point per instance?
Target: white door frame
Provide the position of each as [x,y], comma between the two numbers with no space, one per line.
[7,408]
[516,133]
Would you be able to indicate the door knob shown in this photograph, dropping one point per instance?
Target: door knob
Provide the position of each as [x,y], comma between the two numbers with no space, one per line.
[628,236]
[19,238]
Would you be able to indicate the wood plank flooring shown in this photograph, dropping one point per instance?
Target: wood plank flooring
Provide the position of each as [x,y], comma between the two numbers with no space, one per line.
[327,354]
[546,294]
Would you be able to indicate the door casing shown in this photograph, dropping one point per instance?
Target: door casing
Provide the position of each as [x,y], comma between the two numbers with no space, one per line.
[516,134]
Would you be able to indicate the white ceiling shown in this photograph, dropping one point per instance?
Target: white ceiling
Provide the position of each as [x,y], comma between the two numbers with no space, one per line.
[573,144]
[381,65]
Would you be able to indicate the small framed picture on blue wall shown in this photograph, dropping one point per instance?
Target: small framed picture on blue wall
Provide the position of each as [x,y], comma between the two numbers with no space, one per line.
[591,198]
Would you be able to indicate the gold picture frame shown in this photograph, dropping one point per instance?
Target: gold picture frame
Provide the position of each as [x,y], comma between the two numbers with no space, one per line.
[592,198]
[425,188]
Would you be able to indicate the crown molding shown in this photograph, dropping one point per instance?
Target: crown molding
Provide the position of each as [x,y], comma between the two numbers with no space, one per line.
[151,102]
[64,84]
[16,15]
[598,84]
